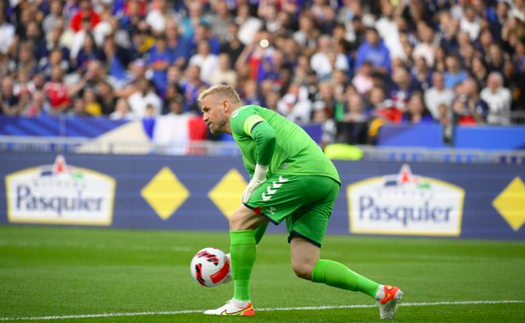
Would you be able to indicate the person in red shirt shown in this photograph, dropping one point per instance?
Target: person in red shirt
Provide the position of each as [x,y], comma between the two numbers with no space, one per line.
[57,91]
[86,11]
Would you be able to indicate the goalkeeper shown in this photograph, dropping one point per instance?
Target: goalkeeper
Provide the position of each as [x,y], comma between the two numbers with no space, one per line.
[292,181]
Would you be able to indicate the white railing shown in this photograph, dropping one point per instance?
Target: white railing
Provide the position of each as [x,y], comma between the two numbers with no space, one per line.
[212,148]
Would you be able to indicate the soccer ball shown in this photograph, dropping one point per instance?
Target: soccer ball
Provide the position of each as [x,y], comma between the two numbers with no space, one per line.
[211,267]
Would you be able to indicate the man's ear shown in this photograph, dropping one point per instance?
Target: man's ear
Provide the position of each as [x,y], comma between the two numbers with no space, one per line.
[226,105]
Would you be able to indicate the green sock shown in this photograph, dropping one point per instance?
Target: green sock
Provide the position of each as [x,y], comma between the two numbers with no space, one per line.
[259,232]
[242,250]
[335,274]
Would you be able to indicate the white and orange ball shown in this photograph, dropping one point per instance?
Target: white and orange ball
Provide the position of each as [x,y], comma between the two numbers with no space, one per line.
[211,267]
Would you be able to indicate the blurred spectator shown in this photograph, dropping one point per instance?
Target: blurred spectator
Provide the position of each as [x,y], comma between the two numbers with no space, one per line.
[56,58]
[193,19]
[57,91]
[25,58]
[85,13]
[250,93]
[272,101]
[374,51]
[106,97]
[144,97]
[55,12]
[295,105]
[271,68]
[159,61]
[470,22]
[307,34]
[422,74]
[438,95]
[224,74]
[122,111]
[78,38]
[479,70]
[38,105]
[351,120]
[79,108]
[468,108]
[454,73]
[321,61]
[148,120]
[495,59]
[416,111]
[363,79]
[24,87]
[158,17]
[88,52]
[38,43]
[233,47]
[175,106]
[190,86]
[388,29]
[203,32]
[324,105]
[498,99]
[426,48]
[221,19]
[355,109]
[377,100]
[206,60]
[248,25]
[91,102]
[402,88]
[178,46]
[444,116]
[518,9]
[11,104]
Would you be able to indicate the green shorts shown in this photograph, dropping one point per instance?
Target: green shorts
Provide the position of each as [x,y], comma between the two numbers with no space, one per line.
[305,202]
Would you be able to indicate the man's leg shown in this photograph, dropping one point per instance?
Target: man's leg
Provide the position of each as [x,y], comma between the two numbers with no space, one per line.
[243,223]
[307,265]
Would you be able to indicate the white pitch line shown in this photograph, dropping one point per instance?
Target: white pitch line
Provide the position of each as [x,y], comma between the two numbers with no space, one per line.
[307,308]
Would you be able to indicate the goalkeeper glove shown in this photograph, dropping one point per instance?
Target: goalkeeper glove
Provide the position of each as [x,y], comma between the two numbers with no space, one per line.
[259,177]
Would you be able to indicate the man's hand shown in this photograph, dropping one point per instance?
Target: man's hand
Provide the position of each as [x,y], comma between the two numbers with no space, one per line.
[259,177]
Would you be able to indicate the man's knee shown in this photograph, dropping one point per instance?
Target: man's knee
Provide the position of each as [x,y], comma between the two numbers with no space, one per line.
[305,256]
[303,270]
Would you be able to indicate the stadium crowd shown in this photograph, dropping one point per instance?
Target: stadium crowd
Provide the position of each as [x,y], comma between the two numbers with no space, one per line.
[319,61]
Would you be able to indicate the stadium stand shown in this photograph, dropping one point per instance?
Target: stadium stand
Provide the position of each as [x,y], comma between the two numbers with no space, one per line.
[348,66]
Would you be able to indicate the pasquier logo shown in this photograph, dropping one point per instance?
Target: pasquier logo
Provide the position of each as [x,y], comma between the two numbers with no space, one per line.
[60,194]
[405,204]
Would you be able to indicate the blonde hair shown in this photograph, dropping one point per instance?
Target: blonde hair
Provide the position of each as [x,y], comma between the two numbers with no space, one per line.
[222,89]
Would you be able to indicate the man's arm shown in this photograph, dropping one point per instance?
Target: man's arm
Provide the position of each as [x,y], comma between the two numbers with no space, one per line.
[264,136]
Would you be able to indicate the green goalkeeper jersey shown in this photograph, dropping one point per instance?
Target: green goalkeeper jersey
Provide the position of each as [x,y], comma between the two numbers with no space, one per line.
[295,152]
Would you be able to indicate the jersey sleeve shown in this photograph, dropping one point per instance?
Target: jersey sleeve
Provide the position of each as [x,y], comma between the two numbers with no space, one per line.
[245,122]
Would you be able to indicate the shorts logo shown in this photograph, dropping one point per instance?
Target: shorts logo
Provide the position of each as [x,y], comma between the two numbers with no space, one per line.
[275,186]
[271,210]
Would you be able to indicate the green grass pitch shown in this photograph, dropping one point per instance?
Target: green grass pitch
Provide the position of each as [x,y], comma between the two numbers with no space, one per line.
[50,272]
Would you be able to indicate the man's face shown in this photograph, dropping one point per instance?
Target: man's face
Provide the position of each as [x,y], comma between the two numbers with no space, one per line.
[372,38]
[214,113]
